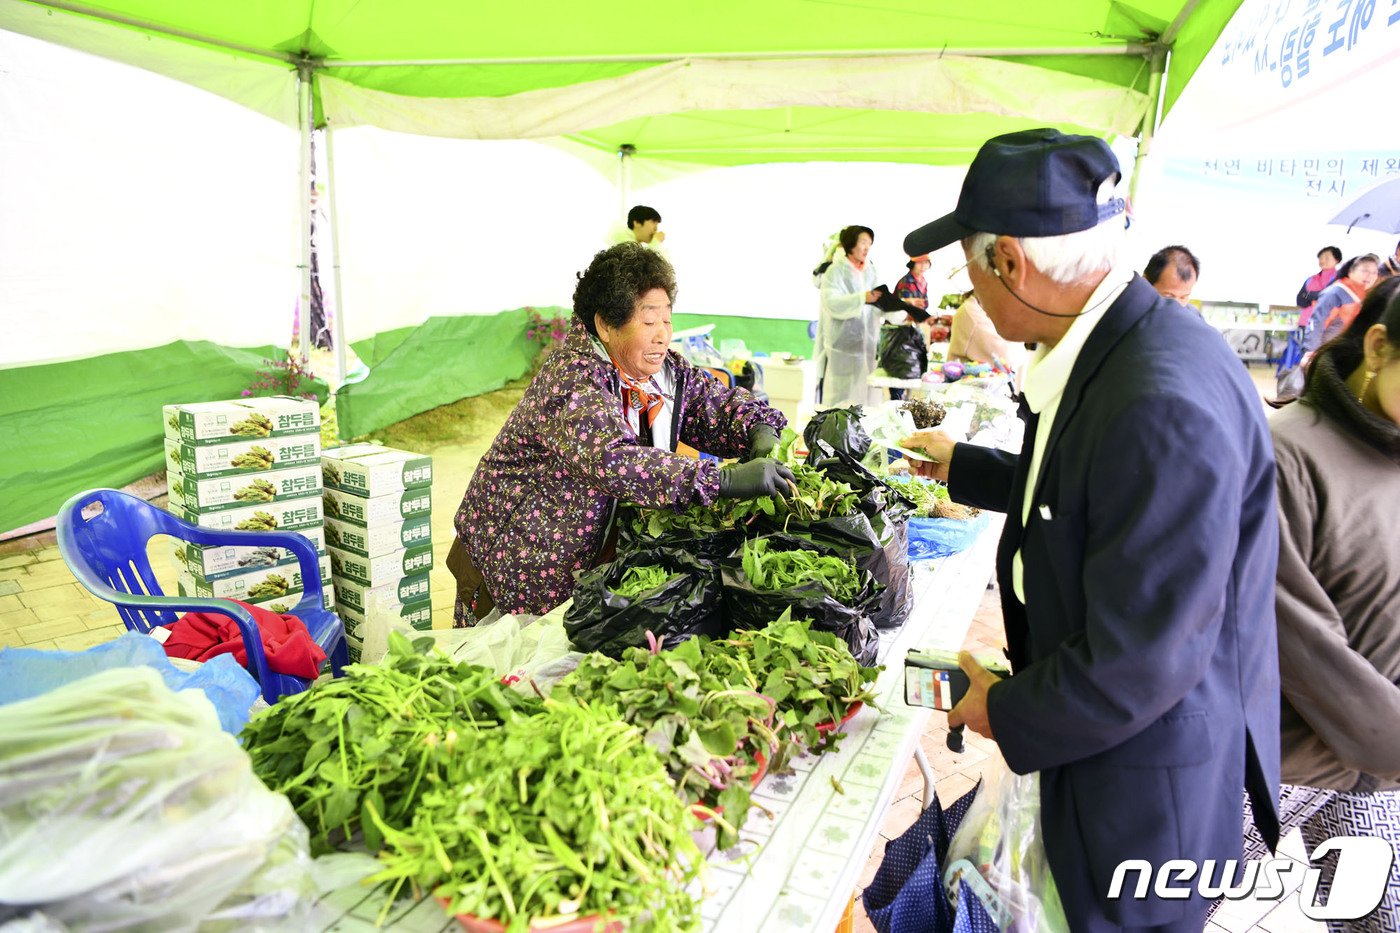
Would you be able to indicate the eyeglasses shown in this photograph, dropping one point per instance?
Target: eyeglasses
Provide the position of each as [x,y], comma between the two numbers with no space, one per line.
[959,269]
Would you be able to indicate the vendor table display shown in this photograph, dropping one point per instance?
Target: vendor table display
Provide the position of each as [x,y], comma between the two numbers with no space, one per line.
[801,848]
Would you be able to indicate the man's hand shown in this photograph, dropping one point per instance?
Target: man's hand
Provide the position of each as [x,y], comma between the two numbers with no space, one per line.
[971,711]
[659,236]
[938,445]
[873,295]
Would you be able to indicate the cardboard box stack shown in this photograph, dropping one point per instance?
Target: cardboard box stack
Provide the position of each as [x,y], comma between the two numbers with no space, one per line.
[247,465]
[378,504]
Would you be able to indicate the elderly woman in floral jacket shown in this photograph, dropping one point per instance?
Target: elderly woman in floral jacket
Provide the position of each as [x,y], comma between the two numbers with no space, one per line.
[598,426]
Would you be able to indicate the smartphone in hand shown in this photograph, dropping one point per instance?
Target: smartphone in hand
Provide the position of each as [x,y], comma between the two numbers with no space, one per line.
[934,680]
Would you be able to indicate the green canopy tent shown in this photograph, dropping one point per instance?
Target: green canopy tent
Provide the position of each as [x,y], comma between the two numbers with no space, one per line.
[720,83]
[696,85]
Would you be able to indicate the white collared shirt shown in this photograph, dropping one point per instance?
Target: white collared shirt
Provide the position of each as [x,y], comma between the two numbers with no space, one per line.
[1043,385]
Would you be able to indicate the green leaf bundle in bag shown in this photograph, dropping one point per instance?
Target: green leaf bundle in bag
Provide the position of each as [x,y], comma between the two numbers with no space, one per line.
[764,579]
[614,609]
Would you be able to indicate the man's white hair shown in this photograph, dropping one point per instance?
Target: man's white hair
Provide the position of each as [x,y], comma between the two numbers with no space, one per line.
[1070,257]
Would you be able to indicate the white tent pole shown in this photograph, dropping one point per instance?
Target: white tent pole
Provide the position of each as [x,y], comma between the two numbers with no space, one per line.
[305,118]
[1149,119]
[1156,87]
[1126,48]
[338,319]
[624,176]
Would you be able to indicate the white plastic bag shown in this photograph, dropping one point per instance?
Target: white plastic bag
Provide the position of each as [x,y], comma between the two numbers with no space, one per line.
[999,852]
[124,807]
[518,648]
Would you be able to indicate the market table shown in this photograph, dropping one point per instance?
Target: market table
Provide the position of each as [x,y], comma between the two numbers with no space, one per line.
[796,865]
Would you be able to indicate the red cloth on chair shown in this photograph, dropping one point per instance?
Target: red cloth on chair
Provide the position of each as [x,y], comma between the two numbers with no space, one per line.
[199,636]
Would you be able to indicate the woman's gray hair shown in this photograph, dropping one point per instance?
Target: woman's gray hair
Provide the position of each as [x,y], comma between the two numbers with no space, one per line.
[616,280]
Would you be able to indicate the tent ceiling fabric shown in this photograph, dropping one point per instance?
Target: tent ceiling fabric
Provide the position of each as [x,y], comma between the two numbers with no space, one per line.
[924,73]
[890,86]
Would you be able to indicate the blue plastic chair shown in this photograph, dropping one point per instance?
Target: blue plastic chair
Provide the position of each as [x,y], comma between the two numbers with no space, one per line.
[103,535]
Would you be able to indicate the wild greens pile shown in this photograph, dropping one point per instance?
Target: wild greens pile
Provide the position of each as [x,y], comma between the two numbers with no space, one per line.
[510,807]
[379,737]
[924,495]
[638,580]
[769,569]
[572,816]
[817,497]
[706,730]
[809,675]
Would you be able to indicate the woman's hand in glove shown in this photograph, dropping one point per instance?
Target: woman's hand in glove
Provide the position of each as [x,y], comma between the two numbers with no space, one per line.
[762,440]
[755,479]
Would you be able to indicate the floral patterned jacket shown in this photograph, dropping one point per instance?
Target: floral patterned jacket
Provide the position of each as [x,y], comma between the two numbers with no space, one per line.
[542,499]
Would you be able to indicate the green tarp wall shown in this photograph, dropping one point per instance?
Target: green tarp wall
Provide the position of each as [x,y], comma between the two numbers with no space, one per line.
[68,427]
[414,369]
[96,422]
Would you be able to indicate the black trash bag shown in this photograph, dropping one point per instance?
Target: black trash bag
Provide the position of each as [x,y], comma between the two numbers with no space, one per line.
[839,429]
[747,607]
[689,605]
[903,353]
[877,545]
[633,535]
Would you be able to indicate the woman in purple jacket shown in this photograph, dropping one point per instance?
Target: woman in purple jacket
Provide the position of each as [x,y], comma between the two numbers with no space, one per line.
[598,426]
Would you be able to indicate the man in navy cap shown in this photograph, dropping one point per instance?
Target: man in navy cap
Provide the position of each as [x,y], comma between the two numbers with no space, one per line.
[1137,561]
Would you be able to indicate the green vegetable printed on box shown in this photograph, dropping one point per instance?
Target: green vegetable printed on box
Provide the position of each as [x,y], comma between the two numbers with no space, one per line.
[202,423]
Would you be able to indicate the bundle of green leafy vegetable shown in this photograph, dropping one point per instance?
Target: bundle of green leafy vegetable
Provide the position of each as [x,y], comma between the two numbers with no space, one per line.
[924,495]
[638,580]
[572,816]
[708,731]
[695,520]
[810,676]
[378,737]
[769,569]
[817,496]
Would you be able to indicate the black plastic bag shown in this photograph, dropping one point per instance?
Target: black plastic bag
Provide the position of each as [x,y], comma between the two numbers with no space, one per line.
[840,429]
[903,354]
[879,546]
[633,536]
[748,607]
[688,605]
[876,496]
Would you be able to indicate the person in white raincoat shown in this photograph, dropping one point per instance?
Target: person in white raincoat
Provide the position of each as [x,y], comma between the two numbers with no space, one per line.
[848,330]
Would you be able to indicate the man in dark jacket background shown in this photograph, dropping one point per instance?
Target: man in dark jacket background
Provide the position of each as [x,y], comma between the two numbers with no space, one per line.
[1137,561]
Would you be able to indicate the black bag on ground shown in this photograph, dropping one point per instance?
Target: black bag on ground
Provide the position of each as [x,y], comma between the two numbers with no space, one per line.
[877,546]
[903,354]
[690,604]
[633,535]
[748,607]
[840,429]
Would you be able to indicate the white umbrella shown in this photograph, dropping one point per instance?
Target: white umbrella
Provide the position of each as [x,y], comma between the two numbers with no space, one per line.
[1377,209]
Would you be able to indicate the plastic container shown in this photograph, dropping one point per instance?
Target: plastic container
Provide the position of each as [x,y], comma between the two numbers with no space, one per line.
[851,711]
[702,813]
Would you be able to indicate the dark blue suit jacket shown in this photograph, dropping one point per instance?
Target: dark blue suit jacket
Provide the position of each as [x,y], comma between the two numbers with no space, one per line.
[1146,686]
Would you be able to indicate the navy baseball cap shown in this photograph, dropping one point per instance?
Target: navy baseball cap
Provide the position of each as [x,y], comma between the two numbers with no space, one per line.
[1033,183]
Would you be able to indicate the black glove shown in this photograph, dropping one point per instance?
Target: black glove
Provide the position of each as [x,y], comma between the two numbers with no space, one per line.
[762,439]
[755,479]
